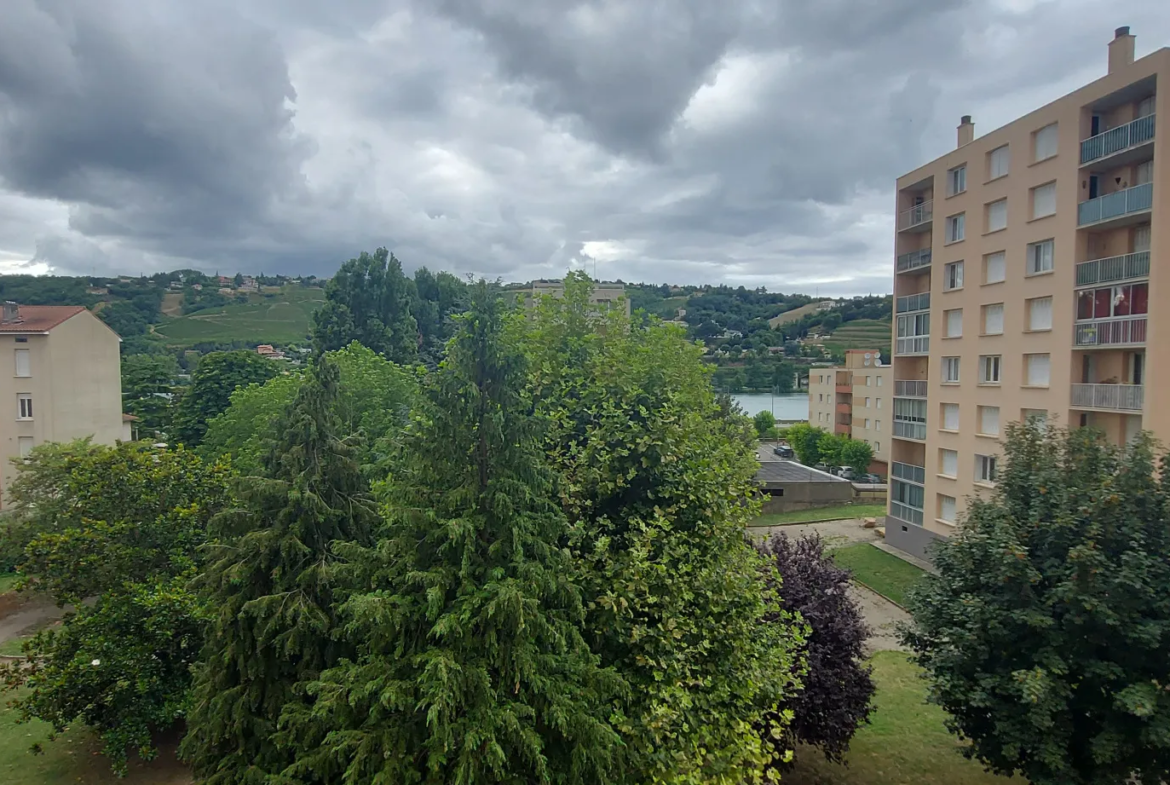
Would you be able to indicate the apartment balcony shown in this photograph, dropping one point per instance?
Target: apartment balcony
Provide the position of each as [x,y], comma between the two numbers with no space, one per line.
[913,302]
[906,429]
[915,260]
[917,218]
[912,345]
[1118,208]
[906,513]
[1114,268]
[1116,332]
[1121,145]
[908,472]
[845,389]
[844,408]
[842,429]
[1108,397]
[909,389]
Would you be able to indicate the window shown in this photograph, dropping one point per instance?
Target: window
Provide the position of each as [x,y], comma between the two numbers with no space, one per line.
[1141,238]
[26,445]
[1039,314]
[956,227]
[994,269]
[950,370]
[24,410]
[1040,257]
[985,468]
[989,420]
[879,385]
[877,446]
[867,403]
[1039,417]
[989,369]
[953,276]
[22,339]
[1145,107]
[1044,142]
[877,425]
[868,381]
[957,180]
[1044,200]
[1037,369]
[1110,301]
[998,162]
[879,400]
[946,508]
[867,423]
[993,319]
[954,323]
[948,462]
[820,397]
[23,363]
[997,215]
[950,416]
[1144,173]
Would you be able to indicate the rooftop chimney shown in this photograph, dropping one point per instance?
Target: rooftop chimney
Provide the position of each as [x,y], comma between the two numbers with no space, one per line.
[966,130]
[1120,49]
[11,313]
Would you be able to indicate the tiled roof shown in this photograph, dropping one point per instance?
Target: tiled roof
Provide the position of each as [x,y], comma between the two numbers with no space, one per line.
[40,318]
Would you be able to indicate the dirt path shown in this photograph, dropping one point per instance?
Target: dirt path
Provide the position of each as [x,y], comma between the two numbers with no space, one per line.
[20,616]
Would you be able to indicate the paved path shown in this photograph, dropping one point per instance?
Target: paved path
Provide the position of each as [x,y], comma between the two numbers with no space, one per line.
[20,616]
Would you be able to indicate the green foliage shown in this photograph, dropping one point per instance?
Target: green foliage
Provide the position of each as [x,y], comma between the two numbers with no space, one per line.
[471,664]
[368,301]
[282,320]
[839,450]
[856,453]
[121,525]
[438,297]
[1044,632]
[212,384]
[805,441]
[147,384]
[271,592]
[654,476]
[764,423]
[124,319]
[374,399]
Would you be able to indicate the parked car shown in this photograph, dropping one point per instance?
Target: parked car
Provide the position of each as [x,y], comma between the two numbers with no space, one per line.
[872,479]
[847,473]
[783,452]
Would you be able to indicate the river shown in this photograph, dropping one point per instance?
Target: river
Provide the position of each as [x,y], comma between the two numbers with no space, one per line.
[789,407]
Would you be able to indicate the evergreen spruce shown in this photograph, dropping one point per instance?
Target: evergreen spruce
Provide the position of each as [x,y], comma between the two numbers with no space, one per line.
[471,666]
[269,586]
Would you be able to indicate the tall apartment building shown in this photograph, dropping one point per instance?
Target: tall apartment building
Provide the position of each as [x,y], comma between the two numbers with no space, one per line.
[604,295]
[1026,263]
[64,380]
[854,400]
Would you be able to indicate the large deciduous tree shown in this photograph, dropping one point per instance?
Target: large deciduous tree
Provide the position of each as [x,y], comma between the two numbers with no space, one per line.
[656,479]
[836,689]
[217,376]
[271,592]
[121,527]
[1044,633]
[147,385]
[368,301]
[805,442]
[471,665]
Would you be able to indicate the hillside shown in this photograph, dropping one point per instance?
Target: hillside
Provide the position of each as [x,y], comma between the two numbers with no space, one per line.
[264,318]
[861,334]
[797,313]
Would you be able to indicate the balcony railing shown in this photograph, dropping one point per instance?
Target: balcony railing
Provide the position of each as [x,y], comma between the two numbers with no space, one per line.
[910,430]
[1114,268]
[1115,205]
[908,472]
[914,302]
[914,260]
[1112,397]
[1119,331]
[909,389]
[915,344]
[1117,139]
[906,513]
[917,215]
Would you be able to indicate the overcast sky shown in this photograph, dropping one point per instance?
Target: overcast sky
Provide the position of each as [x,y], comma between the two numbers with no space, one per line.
[693,141]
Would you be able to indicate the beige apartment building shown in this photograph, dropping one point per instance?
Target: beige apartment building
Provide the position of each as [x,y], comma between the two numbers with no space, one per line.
[603,294]
[1026,265]
[855,401]
[64,381]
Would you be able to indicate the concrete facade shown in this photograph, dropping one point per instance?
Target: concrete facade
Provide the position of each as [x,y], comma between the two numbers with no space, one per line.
[64,381]
[605,295]
[1026,263]
[788,485]
[855,400]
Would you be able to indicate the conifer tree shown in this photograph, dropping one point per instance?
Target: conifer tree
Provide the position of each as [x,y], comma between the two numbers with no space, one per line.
[471,666]
[270,589]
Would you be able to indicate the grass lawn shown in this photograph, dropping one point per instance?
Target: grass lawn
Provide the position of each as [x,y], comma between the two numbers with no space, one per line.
[837,513]
[905,742]
[887,575]
[281,319]
[7,581]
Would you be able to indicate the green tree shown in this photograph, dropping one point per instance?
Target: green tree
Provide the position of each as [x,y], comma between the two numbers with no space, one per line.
[783,377]
[471,666]
[654,476]
[122,526]
[124,319]
[218,375]
[1044,632]
[238,280]
[147,384]
[271,591]
[764,422]
[438,297]
[805,442]
[856,453]
[368,301]
[373,401]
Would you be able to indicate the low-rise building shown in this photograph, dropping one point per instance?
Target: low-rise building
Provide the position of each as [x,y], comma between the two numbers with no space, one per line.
[604,294]
[854,400]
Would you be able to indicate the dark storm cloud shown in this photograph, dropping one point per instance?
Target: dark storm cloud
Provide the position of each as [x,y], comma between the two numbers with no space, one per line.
[744,141]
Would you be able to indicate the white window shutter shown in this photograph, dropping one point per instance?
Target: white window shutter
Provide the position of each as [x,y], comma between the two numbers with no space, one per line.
[1040,314]
[994,320]
[1039,369]
[996,268]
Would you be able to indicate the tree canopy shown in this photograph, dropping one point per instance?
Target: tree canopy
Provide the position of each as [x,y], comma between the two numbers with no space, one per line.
[218,375]
[368,301]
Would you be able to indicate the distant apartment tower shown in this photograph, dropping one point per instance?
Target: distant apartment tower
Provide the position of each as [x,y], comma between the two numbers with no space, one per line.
[1026,263]
[854,401]
[64,381]
[603,294]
